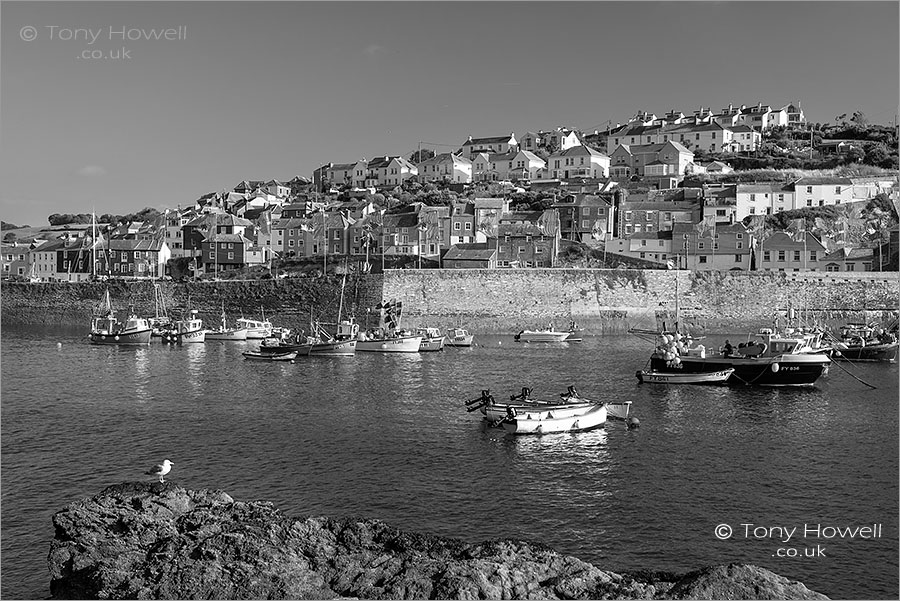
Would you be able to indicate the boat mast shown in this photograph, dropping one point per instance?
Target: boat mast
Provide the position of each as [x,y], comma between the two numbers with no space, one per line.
[341,304]
[93,243]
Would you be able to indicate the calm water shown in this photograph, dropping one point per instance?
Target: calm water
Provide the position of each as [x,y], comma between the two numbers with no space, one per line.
[387,437]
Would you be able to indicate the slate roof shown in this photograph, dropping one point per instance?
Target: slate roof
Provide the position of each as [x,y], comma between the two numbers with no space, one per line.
[823,181]
[489,140]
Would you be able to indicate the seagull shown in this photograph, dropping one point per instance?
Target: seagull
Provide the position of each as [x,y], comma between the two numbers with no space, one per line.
[161,470]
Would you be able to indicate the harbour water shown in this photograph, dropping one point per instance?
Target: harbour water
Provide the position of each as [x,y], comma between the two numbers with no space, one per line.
[387,436]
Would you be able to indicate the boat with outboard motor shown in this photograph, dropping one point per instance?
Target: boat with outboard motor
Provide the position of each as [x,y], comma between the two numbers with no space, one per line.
[258,356]
[655,377]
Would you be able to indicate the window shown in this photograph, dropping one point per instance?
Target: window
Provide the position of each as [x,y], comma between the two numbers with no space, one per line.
[753,210]
[701,245]
[767,256]
[739,245]
[456,226]
[837,189]
[585,211]
[809,189]
[737,258]
[290,244]
[648,216]
[781,256]
[812,255]
[702,259]
[627,215]
[468,226]
[850,267]
[781,198]
[809,202]
[291,232]
[585,224]
[753,198]
[521,250]
[231,255]
[796,255]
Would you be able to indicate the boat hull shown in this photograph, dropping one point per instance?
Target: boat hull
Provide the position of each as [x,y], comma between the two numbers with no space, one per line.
[191,336]
[499,412]
[781,370]
[655,377]
[882,353]
[529,336]
[256,356]
[342,348]
[406,344]
[459,337]
[595,417]
[132,337]
[431,344]
[226,334]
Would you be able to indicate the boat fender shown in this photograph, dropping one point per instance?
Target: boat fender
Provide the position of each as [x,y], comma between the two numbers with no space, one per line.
[633,423]
[117,337]
[775,367]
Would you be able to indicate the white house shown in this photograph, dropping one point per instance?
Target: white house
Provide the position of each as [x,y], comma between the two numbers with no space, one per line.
[491,145]
[577,161]
[446,167]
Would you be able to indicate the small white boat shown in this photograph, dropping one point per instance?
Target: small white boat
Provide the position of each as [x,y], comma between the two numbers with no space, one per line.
[389,344]
[459,337]
[432,339]
[594,417]
[256,330]
[548,335]
[712,377]
[257,356]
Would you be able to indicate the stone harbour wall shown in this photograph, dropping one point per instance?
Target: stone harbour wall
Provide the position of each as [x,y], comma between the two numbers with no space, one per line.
[602,301]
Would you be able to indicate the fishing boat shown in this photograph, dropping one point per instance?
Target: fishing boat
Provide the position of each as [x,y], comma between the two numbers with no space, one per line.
[538,423]
[188,329]
[223,332]
[864,342]
[107,329]
[277,346]
[256,330]
[772,360]
[257,356]
[522,403]
[547,334]
[387,337]
[459,337]
[342,344]
[432,339]
[715,377]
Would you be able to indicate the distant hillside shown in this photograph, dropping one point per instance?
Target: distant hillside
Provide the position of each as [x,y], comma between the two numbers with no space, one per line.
[11,226]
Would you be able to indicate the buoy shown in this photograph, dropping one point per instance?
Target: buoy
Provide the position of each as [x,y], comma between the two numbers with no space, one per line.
[292,361]
[117,337]
[633,423]
[59,345]
[499,342]
[775,368]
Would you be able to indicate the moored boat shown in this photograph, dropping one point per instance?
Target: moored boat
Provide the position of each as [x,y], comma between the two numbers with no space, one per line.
[594,417]
[256,329]
[223,332]
[257,356]
[387,337]
[773,360]
[545,335]
[432,339]
[863,342]
[618,410]
[107,329]
[459,337]
[654,377]
[188,329]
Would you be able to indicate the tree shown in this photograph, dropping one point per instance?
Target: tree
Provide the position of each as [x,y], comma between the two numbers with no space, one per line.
[877,154]
[10,237]
[855,154]
[421,155]
[859,119]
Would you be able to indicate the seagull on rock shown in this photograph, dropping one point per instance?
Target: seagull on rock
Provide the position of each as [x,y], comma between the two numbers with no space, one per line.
[162,469]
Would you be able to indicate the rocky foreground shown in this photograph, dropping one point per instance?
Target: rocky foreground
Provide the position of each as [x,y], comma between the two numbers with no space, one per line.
[158,541]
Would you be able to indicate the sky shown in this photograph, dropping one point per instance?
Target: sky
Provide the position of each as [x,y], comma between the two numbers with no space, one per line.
[92,120]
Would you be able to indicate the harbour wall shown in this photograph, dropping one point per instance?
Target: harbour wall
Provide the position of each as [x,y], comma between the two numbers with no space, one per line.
[490,301]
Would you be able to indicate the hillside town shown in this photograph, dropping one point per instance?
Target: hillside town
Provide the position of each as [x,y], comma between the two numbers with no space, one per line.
[653,192]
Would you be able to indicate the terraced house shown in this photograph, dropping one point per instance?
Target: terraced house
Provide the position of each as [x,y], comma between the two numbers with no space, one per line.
[445,168]
[527,239]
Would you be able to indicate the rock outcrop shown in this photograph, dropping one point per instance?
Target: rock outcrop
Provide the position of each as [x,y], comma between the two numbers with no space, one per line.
[158,541]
